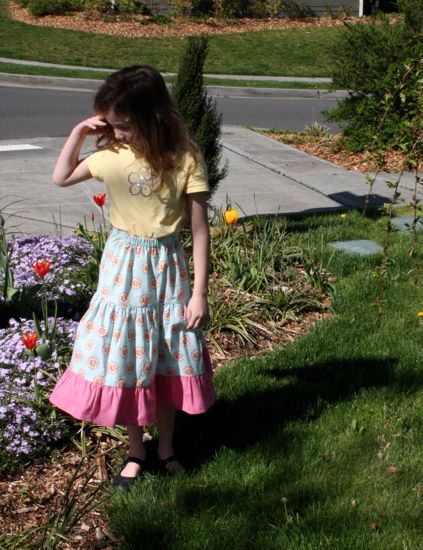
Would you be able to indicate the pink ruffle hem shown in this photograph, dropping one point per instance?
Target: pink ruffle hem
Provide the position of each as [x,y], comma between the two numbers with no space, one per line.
[108,406]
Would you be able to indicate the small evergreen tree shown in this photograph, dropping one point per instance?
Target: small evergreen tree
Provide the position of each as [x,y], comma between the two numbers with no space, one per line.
[204,122]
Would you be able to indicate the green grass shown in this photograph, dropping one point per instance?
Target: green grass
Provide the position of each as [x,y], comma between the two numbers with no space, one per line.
[291,52]
[317,445]
[13,68]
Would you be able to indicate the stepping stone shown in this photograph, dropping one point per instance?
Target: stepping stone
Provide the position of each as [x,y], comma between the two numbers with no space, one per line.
[358,247]
[405,223]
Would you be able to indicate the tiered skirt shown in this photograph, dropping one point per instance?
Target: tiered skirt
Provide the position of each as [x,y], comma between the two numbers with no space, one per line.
[132,348]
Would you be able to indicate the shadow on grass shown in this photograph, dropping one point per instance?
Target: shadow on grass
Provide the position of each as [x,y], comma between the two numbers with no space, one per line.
[283,395]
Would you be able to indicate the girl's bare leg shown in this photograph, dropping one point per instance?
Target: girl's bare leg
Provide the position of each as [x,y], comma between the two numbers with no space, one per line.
[136,448]
[166,428]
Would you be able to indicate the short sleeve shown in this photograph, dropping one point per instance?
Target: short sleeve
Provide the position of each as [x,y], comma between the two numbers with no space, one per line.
[197,180]
[95,164]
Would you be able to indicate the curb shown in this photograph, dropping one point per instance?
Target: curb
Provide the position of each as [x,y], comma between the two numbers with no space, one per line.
[88,85]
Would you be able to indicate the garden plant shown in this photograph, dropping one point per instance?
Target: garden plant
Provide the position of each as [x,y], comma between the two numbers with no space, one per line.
[200,111]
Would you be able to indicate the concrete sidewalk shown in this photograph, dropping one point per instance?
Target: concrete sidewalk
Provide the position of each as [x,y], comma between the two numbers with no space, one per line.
[265,177]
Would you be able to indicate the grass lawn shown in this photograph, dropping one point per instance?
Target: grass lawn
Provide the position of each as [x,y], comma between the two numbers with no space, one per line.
[12,68]
[291,52]
[318,445]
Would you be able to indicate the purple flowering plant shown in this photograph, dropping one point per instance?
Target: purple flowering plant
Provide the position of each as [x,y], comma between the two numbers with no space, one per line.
[28,424]
[67,281]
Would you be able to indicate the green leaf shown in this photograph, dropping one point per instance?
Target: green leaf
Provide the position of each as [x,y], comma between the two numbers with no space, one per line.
[10,292]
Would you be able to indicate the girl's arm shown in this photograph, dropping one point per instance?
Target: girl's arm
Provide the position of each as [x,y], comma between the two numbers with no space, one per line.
[197,310]
[69,169]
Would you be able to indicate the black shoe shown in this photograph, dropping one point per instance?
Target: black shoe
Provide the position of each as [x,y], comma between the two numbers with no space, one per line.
[124,483]
[166,466]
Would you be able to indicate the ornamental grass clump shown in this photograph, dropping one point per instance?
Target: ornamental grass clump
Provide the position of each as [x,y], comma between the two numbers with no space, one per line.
[258,281]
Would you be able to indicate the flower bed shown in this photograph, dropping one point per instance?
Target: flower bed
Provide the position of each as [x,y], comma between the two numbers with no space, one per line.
[260,285]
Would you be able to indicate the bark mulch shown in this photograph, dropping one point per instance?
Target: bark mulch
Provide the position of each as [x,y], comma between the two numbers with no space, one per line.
[329,148]
[131,26]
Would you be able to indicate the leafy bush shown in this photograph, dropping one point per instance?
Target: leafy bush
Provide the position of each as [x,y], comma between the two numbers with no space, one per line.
[39,8]
[181,7]
[261,9]
[120,6]
[202,7]
[413,15]
[381,66]
[227,8]
[266,8]
[190,96]
[130,6]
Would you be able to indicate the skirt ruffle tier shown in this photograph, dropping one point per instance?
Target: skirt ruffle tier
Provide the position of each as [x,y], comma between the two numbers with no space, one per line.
[132,348]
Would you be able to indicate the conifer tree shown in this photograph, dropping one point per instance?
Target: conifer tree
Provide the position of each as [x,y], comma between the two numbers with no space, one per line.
[204,122]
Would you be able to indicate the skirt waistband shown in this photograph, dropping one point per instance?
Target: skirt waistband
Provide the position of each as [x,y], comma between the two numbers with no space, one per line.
[135,240]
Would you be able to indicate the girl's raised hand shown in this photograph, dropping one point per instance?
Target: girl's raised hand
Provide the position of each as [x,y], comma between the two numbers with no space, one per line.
[69,168]
[92,126]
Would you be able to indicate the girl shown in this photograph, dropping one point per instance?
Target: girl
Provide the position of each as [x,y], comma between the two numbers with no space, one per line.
[139,352]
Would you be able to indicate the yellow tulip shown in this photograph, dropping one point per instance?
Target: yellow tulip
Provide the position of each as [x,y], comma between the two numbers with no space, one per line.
[230,216]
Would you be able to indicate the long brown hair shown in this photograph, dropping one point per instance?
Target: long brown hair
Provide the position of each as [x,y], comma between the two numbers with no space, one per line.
[139,94]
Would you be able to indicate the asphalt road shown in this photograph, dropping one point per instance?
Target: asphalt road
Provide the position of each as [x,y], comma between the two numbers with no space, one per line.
[34,112]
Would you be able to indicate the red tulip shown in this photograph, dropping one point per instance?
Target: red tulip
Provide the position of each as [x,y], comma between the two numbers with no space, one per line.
[99,199]
[29,339]
[41,267]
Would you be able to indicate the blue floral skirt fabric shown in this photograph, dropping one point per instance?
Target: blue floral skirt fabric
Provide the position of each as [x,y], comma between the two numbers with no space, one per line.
[132,348]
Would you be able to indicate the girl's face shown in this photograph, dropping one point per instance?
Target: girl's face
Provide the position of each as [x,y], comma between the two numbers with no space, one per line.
[123,129]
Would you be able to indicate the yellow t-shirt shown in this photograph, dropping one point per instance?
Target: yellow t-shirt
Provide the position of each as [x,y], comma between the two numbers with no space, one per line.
[134,206]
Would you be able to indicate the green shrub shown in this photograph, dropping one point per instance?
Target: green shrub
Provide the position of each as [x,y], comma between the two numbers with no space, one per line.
[266,8]
[202,7]
[130,6]
[381,66]
[190,96]
[101,6]
[273,8]
[121,6]
[227,8]
[39,8]
[181,7]
[413,15]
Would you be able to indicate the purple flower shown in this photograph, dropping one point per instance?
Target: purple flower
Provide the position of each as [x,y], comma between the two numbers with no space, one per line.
[24,428]
[67,256]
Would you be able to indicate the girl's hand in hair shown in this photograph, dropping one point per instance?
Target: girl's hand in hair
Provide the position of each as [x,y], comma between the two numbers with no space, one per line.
[69,168]
[92,126]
